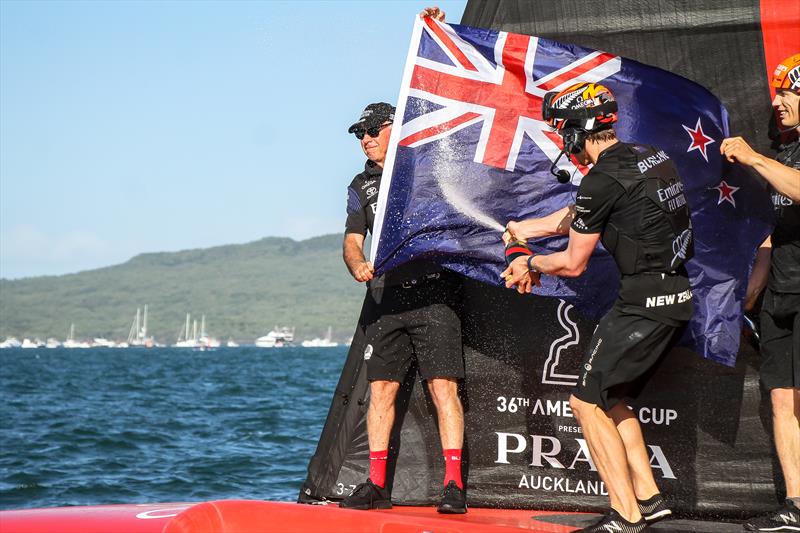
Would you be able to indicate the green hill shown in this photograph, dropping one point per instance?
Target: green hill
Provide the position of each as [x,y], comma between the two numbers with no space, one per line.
[244,290]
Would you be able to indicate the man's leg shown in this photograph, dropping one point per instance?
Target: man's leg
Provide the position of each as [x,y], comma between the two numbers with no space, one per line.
[786,427]
[380,419]
[372,494]
[780,347]
[435,331]
[644,485]
[449,411]
[609,456]
[380,414]
[450,414]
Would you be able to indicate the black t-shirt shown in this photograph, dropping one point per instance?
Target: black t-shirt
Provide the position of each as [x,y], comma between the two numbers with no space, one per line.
[601,200]
[362,199]
[785,272]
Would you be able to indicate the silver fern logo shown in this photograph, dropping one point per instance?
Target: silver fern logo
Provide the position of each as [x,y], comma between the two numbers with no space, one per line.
[681,245]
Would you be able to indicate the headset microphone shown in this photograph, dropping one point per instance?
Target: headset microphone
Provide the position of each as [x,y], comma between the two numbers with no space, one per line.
[561,175]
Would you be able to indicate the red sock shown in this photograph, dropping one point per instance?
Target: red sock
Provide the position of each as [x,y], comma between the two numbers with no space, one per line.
[452,467]
[377,467]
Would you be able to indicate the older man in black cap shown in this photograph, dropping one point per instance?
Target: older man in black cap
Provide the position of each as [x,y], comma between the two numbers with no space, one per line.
[410,316]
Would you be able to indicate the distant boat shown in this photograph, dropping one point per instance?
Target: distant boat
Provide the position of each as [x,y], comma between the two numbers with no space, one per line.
[321,343]
[10,342]
[27,343]
[184,340]
[100,342]
[138,333]
[277,338]
[52,343]
[71,342]
[206,342]
[232,344]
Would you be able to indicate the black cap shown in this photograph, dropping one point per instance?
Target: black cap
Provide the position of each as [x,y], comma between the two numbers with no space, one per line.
[373,115]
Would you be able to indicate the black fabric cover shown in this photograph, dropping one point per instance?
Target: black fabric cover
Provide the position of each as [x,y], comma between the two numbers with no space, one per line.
[717,43]
[707,424]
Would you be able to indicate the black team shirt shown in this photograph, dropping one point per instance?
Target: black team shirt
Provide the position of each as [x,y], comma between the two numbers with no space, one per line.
[362,200]
[600,200]
[784,273]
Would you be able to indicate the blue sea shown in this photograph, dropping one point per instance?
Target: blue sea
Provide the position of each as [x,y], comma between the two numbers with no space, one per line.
[99,426]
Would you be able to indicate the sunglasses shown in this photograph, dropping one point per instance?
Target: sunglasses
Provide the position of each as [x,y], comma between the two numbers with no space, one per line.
[372,132]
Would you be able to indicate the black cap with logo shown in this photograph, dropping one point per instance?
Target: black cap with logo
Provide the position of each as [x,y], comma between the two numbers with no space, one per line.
[373,115]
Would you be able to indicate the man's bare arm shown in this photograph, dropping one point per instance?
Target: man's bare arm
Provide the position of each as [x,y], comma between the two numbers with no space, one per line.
[572,262]
[557,223]
[353,255]
[785,180]
[759,275]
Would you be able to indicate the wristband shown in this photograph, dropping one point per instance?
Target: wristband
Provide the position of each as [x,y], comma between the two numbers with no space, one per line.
[517,249]
[532,268]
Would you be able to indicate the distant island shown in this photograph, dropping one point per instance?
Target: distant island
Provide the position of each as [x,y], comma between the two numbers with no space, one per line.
[244,291]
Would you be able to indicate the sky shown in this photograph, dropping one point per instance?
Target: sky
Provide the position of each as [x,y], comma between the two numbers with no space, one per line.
[131,127]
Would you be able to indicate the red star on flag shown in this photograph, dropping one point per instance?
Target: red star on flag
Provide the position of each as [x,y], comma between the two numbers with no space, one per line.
[699,139]
[726,192]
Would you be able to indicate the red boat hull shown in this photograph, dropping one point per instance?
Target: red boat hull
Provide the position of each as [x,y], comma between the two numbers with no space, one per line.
[246,516]
[243,516]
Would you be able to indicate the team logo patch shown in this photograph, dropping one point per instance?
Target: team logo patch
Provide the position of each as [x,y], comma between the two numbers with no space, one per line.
[367,352]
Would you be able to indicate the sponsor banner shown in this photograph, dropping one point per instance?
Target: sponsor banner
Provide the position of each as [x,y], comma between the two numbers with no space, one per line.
[702,422]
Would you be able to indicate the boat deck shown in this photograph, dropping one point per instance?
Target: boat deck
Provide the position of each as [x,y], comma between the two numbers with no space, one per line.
[247,516]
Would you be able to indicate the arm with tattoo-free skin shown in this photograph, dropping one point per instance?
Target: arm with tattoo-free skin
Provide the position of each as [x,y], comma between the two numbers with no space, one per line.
[759,275]
[556,223]
[353,255]
[785,180]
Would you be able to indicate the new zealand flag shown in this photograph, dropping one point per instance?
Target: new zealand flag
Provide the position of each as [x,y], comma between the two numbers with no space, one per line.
[472,153]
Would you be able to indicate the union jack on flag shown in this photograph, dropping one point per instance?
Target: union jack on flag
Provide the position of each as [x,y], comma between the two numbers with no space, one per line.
[503,94]
[469,152]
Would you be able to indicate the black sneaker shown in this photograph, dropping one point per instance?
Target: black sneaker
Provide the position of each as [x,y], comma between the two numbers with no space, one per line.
[654,509]
[366,496]
[614,523]
[787,518]
[453,500]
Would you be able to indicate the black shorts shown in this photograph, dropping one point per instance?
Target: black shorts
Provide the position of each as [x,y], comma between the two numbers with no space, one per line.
[623,353]
[780,340]
[418,322]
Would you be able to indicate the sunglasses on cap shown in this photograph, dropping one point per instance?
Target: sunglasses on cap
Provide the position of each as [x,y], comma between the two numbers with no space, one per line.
[373,132]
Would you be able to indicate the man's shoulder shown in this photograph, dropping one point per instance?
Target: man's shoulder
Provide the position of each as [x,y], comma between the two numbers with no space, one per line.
[625,163]
[600,178]
[366,178]
[624,155]
[357,180]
